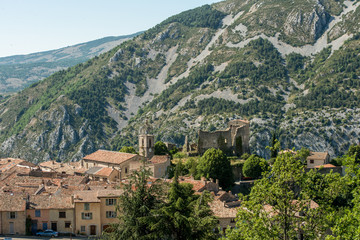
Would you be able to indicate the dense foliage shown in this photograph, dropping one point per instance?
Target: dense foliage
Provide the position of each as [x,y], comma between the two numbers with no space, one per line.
[254,166]
[160,148]
[214,164]
[135,206]
[185,215]
[204,17]
[126,149]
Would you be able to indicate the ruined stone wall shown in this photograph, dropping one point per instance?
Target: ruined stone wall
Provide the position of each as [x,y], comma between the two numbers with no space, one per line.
[228,139]
[212,139]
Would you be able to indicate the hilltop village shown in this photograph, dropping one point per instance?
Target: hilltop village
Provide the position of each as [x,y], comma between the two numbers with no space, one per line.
[80,198]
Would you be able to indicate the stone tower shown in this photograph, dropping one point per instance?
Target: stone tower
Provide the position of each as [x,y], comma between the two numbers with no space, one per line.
[146,141]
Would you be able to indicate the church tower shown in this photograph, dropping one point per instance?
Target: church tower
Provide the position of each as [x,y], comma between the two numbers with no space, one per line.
[146,141]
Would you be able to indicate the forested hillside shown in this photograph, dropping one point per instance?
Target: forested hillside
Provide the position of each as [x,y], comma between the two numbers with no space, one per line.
[293,70]
[20,71]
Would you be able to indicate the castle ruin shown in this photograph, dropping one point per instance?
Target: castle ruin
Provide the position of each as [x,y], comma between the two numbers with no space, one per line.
[233,141]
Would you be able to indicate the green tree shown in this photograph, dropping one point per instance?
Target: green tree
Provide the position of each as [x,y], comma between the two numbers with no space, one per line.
[185,215]
[275,208]
[354,150]
[126,149]
[160,148]
[214,164]
[254,166]
[303,154]
[274,147]
[347,224]
[135,206]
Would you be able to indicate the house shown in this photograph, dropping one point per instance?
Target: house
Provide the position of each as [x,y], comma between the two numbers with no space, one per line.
[51,212]
[12,214]
[120,161]
[95,211]
[327,168]
[225,207]
[317,158]
[159,165]
[103,174]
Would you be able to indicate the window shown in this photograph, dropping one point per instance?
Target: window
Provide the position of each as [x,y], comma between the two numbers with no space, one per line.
[149,142]
[232,220]
[86,216]
[68,225]
[311,161]
[110,202]
[12,215]
[82,229]
[110,214]
[37,213]
[126,170]
[86,206]
[62,214]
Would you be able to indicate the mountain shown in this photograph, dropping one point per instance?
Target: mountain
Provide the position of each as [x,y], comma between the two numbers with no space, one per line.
[20,71]
[290,67]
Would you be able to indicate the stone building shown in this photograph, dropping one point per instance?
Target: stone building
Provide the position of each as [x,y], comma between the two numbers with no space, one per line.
[234,140]
[146,142]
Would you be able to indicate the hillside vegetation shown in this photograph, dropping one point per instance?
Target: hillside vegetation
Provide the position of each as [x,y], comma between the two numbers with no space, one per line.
[198,70]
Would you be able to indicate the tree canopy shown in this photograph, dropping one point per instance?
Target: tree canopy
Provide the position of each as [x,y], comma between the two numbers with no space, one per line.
[126,149]
[254,166]
[214,164]
[160,148]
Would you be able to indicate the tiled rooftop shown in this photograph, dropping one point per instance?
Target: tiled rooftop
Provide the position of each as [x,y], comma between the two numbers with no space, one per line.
[109,156]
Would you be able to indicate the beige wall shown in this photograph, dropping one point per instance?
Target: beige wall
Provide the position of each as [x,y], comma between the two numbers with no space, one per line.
[96,219]
[18,223]
[104,208]
[54,217]
[159,170]
[316,163]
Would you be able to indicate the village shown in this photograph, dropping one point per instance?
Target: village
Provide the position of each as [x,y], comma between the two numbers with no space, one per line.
[80,198]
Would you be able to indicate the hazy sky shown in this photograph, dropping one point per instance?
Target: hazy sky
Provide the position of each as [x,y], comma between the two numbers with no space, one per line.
[28,26]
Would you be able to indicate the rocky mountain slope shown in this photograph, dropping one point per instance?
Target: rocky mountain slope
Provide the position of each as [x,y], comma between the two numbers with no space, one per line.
[288,66]
[20,71]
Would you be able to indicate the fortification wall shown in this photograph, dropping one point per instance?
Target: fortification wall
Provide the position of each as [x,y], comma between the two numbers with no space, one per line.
[227,140]
[213,140]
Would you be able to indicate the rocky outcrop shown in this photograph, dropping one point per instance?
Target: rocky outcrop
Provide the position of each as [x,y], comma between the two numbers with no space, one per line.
[62,140]
[307,26]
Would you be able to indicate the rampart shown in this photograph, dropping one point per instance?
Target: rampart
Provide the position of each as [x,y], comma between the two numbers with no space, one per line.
[233,141]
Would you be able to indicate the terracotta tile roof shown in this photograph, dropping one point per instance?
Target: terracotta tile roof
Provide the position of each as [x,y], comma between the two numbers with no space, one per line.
[159,159]
[110,193]
[12,202]
[318,156]
[221,211]
[198,185]
[105,172]
[50,202]
[109,156]
[325,166]
[86,196]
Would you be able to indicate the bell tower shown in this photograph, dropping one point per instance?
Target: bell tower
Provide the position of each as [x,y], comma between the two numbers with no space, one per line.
[146,141]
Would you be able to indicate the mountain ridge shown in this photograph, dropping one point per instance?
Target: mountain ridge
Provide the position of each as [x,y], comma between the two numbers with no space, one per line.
[185,76]
[19,71]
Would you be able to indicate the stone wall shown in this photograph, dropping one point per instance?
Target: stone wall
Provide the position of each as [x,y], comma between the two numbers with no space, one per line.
[227,140]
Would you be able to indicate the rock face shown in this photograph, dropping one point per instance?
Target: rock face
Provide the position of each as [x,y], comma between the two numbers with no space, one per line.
[199,76]
[311,24]
[57,142]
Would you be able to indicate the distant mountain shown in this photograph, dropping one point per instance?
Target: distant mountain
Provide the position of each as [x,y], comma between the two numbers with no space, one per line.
[289,66]
[18,72]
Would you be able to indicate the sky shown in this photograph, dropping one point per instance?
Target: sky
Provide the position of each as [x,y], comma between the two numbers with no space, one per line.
[38,25]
